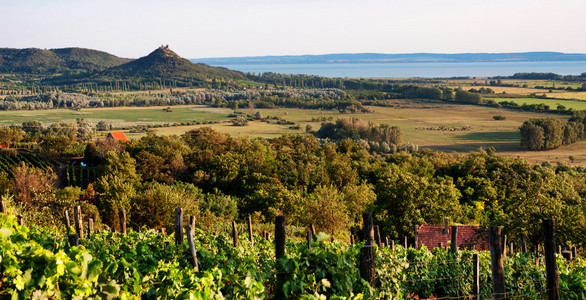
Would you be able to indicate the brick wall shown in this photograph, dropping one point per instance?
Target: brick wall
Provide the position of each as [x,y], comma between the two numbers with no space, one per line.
[469,237]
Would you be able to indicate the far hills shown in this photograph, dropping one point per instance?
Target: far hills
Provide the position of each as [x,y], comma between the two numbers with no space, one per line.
[38,61]
[75,67]
[395,58]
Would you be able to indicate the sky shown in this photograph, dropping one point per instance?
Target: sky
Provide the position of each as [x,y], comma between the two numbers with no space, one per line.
[228,28]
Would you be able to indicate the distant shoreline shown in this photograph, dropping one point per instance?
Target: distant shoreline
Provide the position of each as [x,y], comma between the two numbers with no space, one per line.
[377,58]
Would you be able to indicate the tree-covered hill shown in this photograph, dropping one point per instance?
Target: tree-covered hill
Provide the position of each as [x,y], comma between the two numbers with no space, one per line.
[40,61]
[163,62]
[160,69]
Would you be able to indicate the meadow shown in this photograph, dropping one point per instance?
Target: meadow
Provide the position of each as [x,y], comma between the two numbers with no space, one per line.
[552,103]
[444,127]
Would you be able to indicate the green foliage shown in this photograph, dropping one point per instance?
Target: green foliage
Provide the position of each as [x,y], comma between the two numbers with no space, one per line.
[36,262]
[467,97]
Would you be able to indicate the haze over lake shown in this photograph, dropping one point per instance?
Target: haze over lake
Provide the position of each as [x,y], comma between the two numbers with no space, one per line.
[365,70]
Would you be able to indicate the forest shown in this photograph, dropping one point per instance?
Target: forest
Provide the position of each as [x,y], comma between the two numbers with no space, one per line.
[219,178]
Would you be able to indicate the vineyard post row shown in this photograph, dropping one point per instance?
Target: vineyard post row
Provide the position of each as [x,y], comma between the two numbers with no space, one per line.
[367,253]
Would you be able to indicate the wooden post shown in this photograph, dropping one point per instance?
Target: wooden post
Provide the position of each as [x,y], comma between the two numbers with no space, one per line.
[250,237]
[309,238]
[279,236]
[178,226]
[122,216]
[20,220]
[368,228]
[551,268]
[367,271]
[504,245]
[496,259]
[90,226]
[193,254]
[476,277]
[268,236]
[67,221]
[234,234]
[78,221]
[454,241]
[416,239]
[264,235]
[312,227]
[446,226]
[3,207]
[567,255]
[163,231]
[574,252]
[405,242]
[511,249]
[352,242]
[559,249]
[392,245]
[73,240]
[377,236]
[523,243]
[192,223]
[386,241]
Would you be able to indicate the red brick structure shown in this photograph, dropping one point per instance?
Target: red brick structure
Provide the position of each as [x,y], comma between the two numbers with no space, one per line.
[469,237]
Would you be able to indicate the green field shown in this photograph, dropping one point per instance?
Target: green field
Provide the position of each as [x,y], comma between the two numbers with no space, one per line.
[429,125]
[118,116]
[552,103]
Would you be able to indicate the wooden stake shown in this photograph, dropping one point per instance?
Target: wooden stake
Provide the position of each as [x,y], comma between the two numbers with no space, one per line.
[309,238]
[122,216]
[78,221]
[312,227]
[67,222]
[3,207]
[496,258]
[250,237]
[523,243]
[377,236]
[279,236]
[90,226]
[192,223]
[476,277]
[192,252]
[367,252]
[234,234]
[416,239]
[178,226]
[551,269]
[454,242]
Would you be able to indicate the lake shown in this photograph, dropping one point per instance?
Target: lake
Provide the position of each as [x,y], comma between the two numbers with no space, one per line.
[472,69]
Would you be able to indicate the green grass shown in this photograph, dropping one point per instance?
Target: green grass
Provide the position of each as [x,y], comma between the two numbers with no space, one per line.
[552,103]
[420,123]
[121,116]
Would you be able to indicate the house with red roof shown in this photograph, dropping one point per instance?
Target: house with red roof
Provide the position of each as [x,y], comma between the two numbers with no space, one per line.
[116,136]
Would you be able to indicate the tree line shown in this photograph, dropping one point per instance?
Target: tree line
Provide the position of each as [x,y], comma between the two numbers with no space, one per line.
[547,134]
[219,178]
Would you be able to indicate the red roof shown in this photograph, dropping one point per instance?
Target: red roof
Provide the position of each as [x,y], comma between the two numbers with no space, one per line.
[117,136]
[4,146]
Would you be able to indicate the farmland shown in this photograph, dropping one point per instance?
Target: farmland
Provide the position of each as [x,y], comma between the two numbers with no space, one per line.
[429,125]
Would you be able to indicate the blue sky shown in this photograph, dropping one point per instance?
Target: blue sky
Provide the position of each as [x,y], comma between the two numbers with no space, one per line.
[220,28]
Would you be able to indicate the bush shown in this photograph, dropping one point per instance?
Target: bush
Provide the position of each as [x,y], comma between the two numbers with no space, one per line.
[499,117]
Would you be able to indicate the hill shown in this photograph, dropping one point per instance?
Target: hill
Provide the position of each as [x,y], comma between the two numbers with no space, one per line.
[395,58]
[40,61]
[165,64]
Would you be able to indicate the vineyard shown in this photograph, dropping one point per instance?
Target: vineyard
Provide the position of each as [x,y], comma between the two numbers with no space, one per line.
[37,262]
[10,160]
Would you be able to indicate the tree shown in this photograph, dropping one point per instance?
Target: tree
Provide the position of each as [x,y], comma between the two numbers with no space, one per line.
[467,97]
[532,136]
